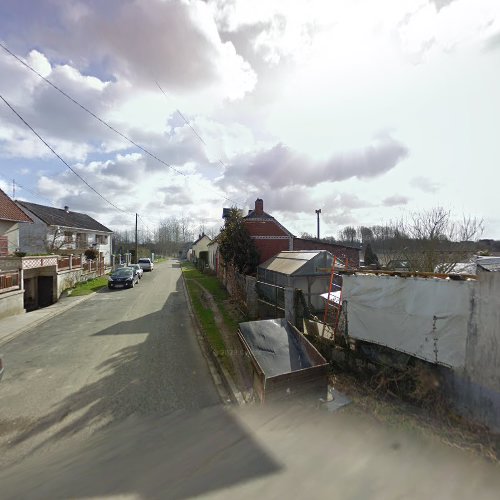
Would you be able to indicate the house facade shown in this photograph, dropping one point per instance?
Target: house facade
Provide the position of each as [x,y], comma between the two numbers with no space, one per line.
[62,231]
[213,255]
[269,235]
[11,216]
[199,247]
[11,293]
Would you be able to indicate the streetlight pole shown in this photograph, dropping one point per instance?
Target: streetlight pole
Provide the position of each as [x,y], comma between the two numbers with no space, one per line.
[317,215]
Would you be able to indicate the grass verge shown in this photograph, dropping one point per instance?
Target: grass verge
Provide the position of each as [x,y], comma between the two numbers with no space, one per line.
[89,287]
[205,315]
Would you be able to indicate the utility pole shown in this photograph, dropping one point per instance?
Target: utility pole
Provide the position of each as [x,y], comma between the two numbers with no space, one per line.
[317,215]
[136,242]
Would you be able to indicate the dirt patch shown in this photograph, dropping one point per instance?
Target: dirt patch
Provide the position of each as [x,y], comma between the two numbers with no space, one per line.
[375,396]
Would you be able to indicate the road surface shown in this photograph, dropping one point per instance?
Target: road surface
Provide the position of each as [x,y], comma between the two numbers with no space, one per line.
[120,353]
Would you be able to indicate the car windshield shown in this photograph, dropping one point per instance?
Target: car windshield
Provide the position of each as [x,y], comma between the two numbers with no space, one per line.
[134,266]
[123,272]
[144,261]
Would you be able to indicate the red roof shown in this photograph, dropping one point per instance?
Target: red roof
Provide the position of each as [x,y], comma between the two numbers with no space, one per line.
[10,211]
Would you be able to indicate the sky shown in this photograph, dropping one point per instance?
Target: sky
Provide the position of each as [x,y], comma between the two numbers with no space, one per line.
[369,111]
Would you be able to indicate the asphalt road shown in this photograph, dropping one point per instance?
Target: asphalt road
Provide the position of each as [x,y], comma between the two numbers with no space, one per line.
[123,352]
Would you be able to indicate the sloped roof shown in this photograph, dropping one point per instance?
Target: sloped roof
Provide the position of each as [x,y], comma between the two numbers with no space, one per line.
[289,262]
[10,211]
[200,238]
[489,263]
[59,217]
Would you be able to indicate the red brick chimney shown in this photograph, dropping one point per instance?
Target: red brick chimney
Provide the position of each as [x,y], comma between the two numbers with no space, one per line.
[259,206]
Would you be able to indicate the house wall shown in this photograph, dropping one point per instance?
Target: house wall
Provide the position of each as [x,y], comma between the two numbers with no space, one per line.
[270,239]
[201,246]
[33,237]
[213,256]
[11,231]
[342,252]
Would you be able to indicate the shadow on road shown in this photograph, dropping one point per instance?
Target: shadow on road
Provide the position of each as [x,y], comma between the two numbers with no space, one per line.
[161,417]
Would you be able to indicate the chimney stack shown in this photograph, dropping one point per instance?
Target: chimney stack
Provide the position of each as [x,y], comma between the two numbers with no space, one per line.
[259,206]
[66,209]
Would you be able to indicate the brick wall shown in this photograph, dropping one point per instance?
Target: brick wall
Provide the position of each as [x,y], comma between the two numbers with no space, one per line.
[269,248]
[340,251]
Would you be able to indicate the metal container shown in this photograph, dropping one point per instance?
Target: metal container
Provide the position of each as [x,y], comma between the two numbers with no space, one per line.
[285,363]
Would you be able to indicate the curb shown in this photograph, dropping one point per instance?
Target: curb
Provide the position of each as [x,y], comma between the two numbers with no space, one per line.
[223,381]
[52,314]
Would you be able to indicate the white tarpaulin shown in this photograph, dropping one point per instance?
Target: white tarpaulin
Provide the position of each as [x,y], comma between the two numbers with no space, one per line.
[424,317]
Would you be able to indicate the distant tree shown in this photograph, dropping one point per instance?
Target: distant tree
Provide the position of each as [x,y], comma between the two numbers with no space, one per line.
[365,234]
[348,234]
[235,245]
[370,256]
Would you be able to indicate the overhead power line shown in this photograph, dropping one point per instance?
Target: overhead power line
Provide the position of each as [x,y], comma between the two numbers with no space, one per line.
[110,127]
[189,125]
[60,158]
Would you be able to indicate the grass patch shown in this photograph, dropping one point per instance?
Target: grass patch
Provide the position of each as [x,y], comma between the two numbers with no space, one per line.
[205,315]
[89,287]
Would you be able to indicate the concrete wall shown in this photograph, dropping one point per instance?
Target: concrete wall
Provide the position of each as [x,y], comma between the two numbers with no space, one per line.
[11,303]
[476,389]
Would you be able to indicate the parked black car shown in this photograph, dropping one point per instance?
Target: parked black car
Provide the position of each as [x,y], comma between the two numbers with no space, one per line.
[123,277]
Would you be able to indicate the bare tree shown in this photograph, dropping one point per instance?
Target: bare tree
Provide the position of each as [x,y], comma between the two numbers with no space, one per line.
[430,240]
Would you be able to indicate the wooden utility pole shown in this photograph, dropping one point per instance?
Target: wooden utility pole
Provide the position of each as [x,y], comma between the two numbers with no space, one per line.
[136,241]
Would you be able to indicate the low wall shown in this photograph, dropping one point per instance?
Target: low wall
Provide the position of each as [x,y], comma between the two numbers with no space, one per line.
[11,303]
[68,279]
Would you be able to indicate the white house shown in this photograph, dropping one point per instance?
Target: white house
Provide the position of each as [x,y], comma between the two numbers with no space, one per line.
[58,230]
[200,246]
[213,255]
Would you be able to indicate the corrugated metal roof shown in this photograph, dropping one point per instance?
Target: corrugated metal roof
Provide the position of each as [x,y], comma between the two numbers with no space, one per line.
[289,262]
[489,263]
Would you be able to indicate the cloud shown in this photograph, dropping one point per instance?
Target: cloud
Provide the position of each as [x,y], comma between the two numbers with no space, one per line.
[395,200]
[424,184]
[176,43]
[282,166]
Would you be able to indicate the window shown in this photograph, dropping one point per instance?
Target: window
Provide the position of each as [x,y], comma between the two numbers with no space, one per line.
[68,237]
[101,239]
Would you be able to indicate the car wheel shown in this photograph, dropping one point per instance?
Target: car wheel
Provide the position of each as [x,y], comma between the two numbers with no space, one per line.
[132,284]
[110,286]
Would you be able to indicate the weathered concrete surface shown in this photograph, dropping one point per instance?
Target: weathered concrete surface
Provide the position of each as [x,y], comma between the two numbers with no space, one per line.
[250,453]
[476,389]
[120,353]
[11,303]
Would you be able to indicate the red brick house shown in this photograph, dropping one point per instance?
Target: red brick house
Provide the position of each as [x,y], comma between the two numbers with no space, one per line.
[271,238]
[269,235]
